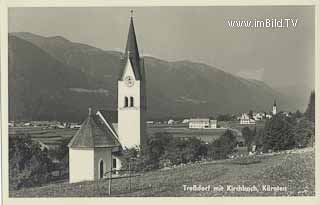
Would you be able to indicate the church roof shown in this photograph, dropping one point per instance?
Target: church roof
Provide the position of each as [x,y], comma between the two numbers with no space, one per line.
[132,52]
[93,133]
[111,118]
[110,115]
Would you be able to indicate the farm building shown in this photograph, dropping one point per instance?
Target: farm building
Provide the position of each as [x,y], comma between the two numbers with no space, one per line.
[202,123]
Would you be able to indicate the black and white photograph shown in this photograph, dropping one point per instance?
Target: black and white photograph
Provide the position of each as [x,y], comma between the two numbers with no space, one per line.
[161,101]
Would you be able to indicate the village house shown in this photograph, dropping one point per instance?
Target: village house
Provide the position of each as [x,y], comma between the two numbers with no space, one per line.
[258,116]
[185,121]
[245,120]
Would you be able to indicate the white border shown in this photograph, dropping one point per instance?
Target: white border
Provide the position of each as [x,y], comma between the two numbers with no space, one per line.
[5,4]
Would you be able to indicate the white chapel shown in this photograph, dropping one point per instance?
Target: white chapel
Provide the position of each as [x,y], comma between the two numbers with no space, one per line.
[96,147]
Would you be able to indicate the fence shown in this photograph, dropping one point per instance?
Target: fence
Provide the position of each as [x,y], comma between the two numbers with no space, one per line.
[129,176]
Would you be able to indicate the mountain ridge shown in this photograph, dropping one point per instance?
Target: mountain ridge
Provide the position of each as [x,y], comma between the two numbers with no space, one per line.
[174,89]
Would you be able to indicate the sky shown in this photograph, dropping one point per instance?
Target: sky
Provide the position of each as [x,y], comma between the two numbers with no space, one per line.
[281,57]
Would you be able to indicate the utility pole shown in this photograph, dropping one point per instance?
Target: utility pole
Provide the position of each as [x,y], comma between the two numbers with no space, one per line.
[130,176]
[110,177]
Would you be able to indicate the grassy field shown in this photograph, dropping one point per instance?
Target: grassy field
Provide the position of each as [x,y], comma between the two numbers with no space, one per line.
[206,135]
[294,170]
[54,136]
[49,137]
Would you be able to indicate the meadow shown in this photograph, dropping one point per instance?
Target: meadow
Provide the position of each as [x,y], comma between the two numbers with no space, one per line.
[55,136]
[292,169]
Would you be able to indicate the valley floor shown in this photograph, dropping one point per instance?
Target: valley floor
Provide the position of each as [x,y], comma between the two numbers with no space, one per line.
[293,170]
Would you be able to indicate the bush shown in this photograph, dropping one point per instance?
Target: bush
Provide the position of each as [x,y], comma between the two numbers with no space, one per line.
[163,150]
[282,133]
[222,147]
[278,134]
[248,136]
[304,133]
[29,165]
[184,151]
[246,160]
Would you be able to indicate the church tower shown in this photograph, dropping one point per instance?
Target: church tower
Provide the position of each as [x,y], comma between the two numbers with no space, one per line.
[274,108]
[132,94]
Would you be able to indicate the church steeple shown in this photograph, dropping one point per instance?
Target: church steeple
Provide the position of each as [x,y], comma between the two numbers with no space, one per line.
[132,51]
[132,94]
[274,108]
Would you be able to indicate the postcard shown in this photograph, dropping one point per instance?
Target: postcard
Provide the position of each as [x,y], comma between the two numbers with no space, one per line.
[110,101]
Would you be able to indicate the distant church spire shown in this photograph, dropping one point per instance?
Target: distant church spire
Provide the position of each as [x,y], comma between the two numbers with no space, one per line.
[274,108]
[131,11]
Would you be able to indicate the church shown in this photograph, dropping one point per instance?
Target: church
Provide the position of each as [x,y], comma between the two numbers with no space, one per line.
[96,147]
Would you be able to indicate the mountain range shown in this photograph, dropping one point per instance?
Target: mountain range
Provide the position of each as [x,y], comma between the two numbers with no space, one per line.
[52,78]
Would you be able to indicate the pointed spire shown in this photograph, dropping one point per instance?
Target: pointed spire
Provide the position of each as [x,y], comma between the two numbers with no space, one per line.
[274,103]
[131,11]
[132,45]
[132,51]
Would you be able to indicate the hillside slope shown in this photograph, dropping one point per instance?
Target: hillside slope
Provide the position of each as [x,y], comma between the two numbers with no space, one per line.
[174,89]
[294,171]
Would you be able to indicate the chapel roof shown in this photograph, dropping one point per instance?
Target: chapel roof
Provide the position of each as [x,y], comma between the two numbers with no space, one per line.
[93,133]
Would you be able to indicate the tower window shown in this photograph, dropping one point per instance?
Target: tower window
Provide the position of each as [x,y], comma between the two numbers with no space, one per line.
[126,102]
[131,101]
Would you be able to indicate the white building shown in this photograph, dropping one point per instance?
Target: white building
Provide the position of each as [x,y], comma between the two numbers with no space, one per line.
[132,95]
[185,121]
[92,150]
[75,126]
[258,116]
[96,147]
[170,122]
[202,123]
[245,120]
[268,116]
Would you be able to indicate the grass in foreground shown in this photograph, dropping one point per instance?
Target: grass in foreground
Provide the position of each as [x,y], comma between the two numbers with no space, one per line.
[294,171]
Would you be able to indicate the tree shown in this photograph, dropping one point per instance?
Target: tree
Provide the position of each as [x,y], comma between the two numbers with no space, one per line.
[184,150]
[258,138]
[225,117]
[278,134]
[304,133]
[310,111]
[298,114]
[250,114]
[247,135]
[222,147]
[29,165]
[162,150]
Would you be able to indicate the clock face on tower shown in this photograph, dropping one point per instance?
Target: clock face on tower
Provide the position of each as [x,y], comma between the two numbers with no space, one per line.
[129,81]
